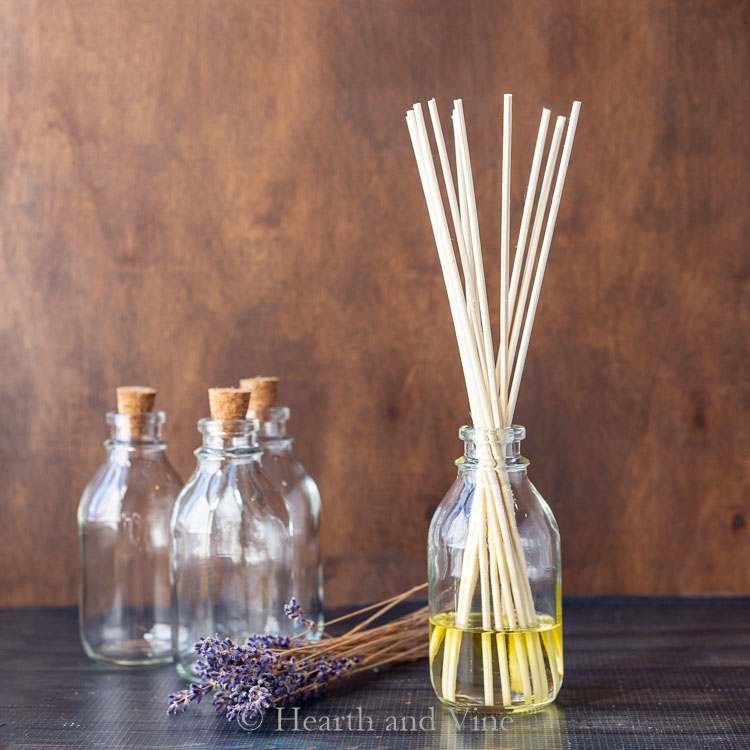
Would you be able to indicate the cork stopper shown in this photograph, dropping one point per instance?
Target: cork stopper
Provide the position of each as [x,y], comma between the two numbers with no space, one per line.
[228,403]
[135,399]
[263,394]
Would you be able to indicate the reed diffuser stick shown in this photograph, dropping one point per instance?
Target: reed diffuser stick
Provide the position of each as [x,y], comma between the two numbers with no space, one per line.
[476,245]
[502,354]
[478,387]
[528,205]
[543,255]
[536,233]
[477,384]
[463,238]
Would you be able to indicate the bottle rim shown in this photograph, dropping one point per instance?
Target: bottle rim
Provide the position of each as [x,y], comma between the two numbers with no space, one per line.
[122,419]
[228,428]
[500,436]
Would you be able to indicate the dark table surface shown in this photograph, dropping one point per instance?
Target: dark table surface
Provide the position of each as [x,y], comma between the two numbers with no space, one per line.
[639,673]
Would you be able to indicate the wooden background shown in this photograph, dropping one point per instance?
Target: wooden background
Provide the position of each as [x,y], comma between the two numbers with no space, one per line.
[193,192]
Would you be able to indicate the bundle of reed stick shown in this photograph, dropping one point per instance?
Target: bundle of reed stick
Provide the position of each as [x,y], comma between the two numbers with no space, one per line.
[493,565]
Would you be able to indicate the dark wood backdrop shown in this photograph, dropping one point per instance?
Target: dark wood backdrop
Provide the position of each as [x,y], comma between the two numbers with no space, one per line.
[192,192]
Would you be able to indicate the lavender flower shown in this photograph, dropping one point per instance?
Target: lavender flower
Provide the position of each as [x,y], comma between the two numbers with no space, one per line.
[267,671]
[181,700]
[294,612]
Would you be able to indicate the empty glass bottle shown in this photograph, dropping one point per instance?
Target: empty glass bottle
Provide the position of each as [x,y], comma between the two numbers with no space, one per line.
[123,532]
[494,575]
[231,555]
[302,500]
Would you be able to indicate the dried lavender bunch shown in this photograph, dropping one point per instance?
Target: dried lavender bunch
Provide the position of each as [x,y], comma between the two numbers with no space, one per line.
[271,671]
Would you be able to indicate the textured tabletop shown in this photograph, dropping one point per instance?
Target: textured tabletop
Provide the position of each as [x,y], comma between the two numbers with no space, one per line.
[639,673]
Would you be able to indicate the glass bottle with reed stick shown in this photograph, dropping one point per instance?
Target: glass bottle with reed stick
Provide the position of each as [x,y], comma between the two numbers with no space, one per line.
[231,552]
[299,491]
[494,550]
[123,533]
[494,576]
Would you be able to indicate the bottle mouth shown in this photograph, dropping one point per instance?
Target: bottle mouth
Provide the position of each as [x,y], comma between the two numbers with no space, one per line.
[272,429]
[136,428]
[272,414]
[228,428]
[501,436]
[120,419]
[237,438]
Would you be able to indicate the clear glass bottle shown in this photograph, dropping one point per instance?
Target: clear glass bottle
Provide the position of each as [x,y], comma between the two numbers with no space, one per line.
[494,575]
[123,533]
[231,555]
[302,500]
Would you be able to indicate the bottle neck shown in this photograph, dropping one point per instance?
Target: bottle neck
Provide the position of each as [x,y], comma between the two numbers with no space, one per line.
[272,428]
[228,439]
[492,449]
[136,431]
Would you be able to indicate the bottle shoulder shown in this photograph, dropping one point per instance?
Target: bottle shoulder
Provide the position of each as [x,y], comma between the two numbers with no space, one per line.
[532,504]
[457,502]
[96,491]
[291,480]
[129,486]
[239,490]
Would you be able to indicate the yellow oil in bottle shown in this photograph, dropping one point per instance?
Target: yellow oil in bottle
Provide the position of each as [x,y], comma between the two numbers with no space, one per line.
[508,671]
